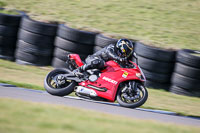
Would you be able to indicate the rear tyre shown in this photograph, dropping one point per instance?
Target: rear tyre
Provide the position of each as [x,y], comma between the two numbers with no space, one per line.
[133,103]
[51,83]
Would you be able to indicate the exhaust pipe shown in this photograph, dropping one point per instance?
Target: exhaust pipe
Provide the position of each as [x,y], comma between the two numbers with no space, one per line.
[85,91]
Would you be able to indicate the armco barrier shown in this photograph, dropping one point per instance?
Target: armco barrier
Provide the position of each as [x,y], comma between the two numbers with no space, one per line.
[41,44]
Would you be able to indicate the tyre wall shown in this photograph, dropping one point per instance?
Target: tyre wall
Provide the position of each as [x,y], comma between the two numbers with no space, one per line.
[186,76]
[69,40]
[35,44]
[32,42]
[9,26]
[157,64]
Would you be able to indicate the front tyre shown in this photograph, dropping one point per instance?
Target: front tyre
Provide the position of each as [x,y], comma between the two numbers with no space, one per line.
[56,85]
[126,101]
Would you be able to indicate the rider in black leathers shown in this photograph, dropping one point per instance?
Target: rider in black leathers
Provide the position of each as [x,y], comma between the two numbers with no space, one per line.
[120,51]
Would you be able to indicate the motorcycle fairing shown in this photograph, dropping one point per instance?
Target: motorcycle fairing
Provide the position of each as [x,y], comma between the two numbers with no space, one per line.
[111,77]
[76,58]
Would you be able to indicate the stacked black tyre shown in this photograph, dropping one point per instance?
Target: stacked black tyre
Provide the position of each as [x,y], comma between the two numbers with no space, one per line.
[157,65]
[71,40]
[186,76]
[9,25]
[35,43]
[103,41]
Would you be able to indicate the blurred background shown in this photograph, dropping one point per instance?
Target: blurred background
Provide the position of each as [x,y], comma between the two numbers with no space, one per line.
[35,36]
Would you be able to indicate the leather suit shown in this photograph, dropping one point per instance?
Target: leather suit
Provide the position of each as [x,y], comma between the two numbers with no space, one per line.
[98,59]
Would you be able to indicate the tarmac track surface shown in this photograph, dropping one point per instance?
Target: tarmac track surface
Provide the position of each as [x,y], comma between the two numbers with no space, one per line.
[9,91]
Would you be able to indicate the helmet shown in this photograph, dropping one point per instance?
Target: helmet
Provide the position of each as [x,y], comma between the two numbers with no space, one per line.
[124,48]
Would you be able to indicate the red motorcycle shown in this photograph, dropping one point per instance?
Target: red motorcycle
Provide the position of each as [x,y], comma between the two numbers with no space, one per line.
[123,82]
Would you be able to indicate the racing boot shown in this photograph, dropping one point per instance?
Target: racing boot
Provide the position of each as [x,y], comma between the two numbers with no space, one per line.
[79,71]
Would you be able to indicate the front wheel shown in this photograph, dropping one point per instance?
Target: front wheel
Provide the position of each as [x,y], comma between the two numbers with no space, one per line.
[134,99]
[56,84]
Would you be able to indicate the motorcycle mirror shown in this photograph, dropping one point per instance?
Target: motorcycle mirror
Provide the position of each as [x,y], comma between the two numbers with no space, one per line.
[135,55]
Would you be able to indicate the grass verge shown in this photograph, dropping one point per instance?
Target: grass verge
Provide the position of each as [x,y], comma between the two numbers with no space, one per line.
[17,116]
[22,74]
[24,85]
[33,77]
[10,12]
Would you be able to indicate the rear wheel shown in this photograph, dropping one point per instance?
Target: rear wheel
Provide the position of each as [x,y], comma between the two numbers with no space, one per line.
[56,84]
[134,98]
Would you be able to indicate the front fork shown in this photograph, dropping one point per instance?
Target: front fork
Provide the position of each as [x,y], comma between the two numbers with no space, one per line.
[133,85]
[130,91]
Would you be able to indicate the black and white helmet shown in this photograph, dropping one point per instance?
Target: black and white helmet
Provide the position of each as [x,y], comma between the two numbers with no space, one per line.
[124,48]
